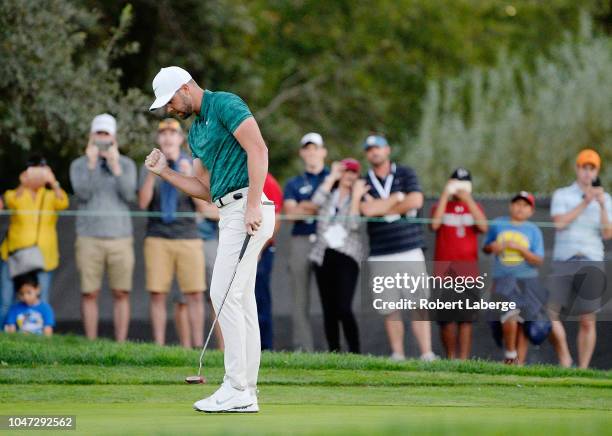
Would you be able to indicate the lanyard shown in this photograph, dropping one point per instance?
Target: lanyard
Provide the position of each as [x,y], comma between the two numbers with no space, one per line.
[335,206]
[386,191]
[306,185]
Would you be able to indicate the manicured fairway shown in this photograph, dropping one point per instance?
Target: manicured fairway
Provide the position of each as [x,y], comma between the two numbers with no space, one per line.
[138,389]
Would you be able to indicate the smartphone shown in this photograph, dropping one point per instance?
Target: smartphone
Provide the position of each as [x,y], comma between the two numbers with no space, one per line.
[596,182]
[459,185]
[103,145]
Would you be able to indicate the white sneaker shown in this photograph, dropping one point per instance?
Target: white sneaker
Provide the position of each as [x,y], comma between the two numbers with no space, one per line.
[429,357]
[397,357]
[253,408]
[225,399]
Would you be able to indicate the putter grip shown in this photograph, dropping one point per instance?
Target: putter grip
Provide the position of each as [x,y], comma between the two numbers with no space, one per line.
[244,246]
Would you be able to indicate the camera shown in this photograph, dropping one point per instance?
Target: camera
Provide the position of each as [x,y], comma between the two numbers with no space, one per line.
[102,144]
[456,185]
[596,182]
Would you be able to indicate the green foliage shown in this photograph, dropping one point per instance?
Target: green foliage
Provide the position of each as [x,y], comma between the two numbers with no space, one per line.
[52,82]
[343,68]
[517,129]
[346,68]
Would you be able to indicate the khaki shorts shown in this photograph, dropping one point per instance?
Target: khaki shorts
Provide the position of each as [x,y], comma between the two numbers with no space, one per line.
[163,257]
[94,255]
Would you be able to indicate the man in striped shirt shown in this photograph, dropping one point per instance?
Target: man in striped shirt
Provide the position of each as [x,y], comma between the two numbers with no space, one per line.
[395,194]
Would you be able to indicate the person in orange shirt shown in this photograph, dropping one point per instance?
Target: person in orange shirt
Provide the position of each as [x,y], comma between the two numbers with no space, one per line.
[38,190]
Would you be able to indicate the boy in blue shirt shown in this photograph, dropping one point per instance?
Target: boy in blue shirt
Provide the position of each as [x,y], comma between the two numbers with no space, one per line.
[29,315]
[519,249]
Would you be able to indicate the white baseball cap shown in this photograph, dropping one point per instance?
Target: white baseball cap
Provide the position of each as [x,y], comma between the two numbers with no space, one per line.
[312,138]
[104,123]
[166,83]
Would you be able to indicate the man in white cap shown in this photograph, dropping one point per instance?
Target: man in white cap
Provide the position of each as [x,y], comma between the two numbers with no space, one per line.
[229,169]
[298,194]
[103,180]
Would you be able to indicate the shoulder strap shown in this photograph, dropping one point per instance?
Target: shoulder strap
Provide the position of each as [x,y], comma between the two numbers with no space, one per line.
[39,215]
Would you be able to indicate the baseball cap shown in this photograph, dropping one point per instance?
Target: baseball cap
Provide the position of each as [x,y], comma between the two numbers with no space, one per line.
[524,195]
[312,138]
[169,124]
[351,164]
[461,174]
[166,83]
[375,141]
[588,156]
[36,160]
[104,123]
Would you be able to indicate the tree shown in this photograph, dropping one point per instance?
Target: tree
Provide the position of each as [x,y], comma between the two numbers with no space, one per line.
[53,81]
[517,129]
[342,68]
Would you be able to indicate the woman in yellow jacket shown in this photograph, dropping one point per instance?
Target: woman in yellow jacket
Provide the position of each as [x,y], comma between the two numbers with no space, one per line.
[38,190]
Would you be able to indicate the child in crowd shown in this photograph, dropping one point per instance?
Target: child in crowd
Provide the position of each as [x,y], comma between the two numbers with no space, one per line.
[30,314]
[519,249]
[457,220]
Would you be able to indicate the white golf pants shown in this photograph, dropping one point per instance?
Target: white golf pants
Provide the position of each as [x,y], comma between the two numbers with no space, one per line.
[238,318]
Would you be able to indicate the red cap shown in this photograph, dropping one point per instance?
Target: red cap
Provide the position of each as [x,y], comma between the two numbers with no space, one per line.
[524,195]
[351,164]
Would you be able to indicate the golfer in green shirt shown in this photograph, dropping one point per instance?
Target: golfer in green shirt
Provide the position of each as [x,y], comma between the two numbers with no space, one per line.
[229,168]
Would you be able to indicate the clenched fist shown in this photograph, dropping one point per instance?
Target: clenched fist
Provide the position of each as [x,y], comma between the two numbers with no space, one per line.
[156,161]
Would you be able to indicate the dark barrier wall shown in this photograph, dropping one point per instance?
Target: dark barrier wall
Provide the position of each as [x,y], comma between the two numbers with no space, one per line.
[65,299]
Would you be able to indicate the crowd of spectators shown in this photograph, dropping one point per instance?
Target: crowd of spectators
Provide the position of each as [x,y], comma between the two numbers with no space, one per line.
[328,208]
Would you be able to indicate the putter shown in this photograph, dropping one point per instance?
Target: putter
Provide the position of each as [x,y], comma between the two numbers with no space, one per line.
[199,379]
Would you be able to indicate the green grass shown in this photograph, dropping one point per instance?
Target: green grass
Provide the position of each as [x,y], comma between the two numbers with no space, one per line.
[75,350]
[139,389]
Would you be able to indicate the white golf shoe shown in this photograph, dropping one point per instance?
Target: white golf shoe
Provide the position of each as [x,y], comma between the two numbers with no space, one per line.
[253,408]
[226,399]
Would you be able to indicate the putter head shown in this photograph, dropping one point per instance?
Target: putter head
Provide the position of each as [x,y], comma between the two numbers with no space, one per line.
[195,379]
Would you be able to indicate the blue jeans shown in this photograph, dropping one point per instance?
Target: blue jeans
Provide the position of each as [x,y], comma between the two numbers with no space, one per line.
[263,298]
[7,291]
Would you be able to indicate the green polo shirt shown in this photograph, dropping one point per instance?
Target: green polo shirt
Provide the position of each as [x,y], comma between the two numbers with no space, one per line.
[211,139]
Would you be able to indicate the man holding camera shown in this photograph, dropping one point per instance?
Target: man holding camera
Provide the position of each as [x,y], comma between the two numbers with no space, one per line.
[104,183]
[582,213]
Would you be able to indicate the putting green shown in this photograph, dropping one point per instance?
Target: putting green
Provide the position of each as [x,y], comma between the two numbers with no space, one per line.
[134,409]
[360,411]
[138,389]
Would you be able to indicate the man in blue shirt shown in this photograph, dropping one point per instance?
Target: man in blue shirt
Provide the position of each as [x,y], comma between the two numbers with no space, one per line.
[298,192]
[230,163]
[582,213]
